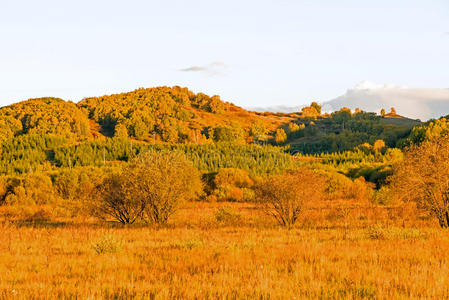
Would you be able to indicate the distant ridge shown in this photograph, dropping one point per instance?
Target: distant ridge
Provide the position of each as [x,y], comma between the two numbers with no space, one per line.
[415,103]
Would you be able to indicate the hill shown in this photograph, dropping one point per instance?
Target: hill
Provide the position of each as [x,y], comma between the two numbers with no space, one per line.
[345,130]
[44,116]
[162,114]
[49,132]
[176,115]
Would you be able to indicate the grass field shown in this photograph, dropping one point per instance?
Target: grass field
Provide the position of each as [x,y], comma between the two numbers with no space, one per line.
[229,251]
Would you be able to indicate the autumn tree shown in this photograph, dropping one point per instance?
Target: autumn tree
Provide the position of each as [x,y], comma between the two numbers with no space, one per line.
[285,196]
[162,181]
[258,130]
[423,177]
[428,131]
[342,116]
[230,184]
[228,134]
[121,131]
[152,187]
[293,127]
[382,112]
[311,111]
[116,201]
[280,136]
[379,145]
[316,106]
[9,127]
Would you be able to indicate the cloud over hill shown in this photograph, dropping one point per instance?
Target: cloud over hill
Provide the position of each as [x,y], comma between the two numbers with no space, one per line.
[415,103]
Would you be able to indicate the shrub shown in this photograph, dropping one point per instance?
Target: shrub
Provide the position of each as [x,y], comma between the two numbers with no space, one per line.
[153,186]
[42,215]
[232,176]
[384,196]
[230,184]
[30,189]
[116,202]
[163,181]
[377,232]
[227,215]
[107,244]
[423,177]
[337,185]
[3,188]
[285,196]
[360,189]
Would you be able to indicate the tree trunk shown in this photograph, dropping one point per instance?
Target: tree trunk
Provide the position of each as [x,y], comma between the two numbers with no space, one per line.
[443,219]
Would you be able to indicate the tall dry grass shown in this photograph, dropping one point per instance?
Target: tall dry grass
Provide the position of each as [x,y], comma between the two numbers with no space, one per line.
[337,251]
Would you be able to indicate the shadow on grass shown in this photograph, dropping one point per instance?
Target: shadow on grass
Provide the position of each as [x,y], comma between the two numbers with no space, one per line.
[69,224]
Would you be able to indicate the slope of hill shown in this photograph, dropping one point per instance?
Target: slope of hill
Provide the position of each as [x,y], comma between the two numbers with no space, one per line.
[44,116]
[177,115]
[344,130]
[161,114]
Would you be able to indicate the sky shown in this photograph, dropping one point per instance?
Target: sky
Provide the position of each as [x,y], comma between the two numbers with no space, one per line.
[252,53]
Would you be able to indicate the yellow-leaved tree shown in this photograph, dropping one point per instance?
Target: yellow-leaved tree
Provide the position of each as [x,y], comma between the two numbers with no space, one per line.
[423,177]
[152,187]
[285,196]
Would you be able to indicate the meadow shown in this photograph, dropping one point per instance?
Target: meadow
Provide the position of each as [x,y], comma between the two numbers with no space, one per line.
[223,250]
[165,194]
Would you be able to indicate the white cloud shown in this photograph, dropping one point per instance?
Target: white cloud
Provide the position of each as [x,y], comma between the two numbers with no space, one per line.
[212,69]
[370,85]
[416,103]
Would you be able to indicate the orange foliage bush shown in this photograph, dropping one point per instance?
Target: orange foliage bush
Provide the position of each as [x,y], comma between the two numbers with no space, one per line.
[285,196]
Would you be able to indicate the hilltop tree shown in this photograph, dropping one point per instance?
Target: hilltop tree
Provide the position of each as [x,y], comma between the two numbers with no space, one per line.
[311,111]
[316,106]
[382,112]
[393,111]
[342,116]
[423,177]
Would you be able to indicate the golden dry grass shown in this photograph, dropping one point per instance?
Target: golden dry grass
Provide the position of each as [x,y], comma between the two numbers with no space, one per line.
[336,252]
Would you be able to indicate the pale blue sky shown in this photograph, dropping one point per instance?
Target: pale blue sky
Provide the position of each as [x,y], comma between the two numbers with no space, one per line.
[252,53]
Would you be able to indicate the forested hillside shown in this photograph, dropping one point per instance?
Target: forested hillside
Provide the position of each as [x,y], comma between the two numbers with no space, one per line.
[44,116]
[177,115]
[49,138]
[46,134]
[344,130]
